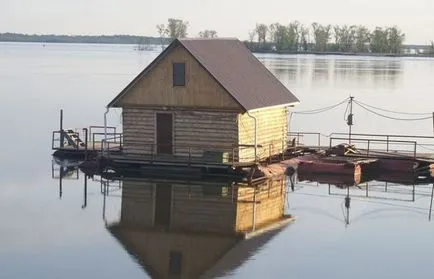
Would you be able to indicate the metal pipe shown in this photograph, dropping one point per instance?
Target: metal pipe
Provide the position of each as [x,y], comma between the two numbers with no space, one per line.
[255,140]
[105,130]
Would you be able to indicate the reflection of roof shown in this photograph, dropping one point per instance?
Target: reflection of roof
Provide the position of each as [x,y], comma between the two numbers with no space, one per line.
[234,255]
[240,253]
[237,70]
[129,246]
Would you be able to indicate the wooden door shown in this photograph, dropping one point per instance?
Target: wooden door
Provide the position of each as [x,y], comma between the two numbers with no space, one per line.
[163,205]
[164,133]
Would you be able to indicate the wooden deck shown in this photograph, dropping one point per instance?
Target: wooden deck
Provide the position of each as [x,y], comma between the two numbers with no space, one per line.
[173,160]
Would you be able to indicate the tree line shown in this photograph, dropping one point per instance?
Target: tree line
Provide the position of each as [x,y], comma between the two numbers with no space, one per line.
[103,39]
[296,37]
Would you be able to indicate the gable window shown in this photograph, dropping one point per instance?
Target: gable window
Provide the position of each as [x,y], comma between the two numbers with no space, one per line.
[178,74]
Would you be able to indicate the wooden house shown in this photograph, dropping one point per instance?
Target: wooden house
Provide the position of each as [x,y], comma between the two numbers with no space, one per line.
[203,97]
[186,229]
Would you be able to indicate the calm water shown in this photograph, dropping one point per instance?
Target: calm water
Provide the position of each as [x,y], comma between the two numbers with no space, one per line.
[45,236]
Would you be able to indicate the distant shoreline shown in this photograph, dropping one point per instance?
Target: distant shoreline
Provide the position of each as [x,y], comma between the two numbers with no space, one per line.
[146,40]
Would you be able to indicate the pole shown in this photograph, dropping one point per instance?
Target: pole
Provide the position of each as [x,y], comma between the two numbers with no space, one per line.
[350,119]
[85,143]
[85,193]
[105,131]
[430,206]
[61,128]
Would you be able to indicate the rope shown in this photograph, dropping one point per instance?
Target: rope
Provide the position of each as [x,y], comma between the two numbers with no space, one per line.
[390,117]
[396,112]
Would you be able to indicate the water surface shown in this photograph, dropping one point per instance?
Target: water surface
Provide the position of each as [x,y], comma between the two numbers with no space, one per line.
[45,236]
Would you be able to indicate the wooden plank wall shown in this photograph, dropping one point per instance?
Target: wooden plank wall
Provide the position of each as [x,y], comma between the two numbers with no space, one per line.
[138,130]
[200,90]
[211,131]
[272,132]
[198,131]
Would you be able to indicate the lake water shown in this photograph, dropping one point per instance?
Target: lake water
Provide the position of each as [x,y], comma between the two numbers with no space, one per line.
[43,235]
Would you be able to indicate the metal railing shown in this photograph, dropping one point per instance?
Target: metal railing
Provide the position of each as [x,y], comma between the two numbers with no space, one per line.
[370,146]
[295,138]
[388,138]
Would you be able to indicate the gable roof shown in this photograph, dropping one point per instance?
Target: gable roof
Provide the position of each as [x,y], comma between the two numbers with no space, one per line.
[235,68]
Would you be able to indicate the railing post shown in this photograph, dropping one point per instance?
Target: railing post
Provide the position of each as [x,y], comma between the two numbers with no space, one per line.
[368,147]
[85,143]
[387,143]
[319,141]
[61,129]
[415,150]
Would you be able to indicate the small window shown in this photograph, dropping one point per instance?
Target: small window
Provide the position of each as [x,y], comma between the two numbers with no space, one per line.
[175,263]
[178,74]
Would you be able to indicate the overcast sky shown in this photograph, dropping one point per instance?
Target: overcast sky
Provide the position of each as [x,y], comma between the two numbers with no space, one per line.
[230,18]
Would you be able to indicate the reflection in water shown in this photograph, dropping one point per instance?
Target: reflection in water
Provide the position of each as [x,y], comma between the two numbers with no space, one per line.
[191,229]
[393,196]
[333,69]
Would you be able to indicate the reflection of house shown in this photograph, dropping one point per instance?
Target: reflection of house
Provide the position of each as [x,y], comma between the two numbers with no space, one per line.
[207,96]
[182,230]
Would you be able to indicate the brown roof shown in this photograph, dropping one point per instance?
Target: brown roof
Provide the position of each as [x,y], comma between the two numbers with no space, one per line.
[243,76]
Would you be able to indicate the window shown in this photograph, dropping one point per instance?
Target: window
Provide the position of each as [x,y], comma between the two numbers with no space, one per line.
[178,74]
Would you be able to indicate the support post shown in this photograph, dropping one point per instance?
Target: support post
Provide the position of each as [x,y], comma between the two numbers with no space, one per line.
[85,144]
[430,205]
[85,193]
[61,129]
[350,119]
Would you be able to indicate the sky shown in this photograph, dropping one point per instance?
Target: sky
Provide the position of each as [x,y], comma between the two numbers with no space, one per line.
[230,18]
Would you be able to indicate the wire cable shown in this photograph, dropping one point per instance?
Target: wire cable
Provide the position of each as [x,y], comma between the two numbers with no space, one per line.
[320,110]
[390,117]
[396,112]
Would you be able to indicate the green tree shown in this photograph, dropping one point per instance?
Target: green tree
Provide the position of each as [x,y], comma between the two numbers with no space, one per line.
[304,37]
[321,34]
[395,38]
[362,38]
[208,34]
[379,41]
[262,31]
[175,28]
[279,36]
[345,37]
[293,35]
[162,31]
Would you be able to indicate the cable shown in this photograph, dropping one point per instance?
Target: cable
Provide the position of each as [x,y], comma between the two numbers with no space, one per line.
[320,110]
[396,112]
[389,117]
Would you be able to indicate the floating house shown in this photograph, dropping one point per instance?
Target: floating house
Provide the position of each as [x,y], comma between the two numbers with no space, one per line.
[209,98]
[195,229]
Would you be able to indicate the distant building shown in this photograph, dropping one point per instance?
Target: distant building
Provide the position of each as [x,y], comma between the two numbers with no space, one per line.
[203,97]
